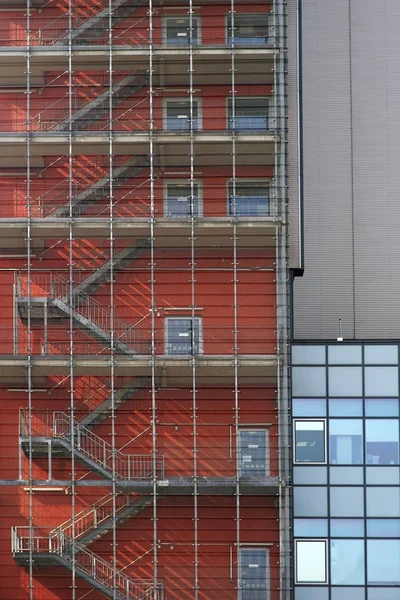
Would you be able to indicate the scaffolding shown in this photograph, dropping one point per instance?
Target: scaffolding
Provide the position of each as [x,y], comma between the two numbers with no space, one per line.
[144,224]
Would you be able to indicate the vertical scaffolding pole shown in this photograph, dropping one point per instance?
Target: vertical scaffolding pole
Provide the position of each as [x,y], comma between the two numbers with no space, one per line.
[112,296]
[194,335]
[234,299]
[153,300]
[29,274]
[71,293]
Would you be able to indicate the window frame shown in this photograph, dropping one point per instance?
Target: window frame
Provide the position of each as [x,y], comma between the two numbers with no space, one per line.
[305,420]
[165,20]
[184,317]
[168,99]
[298,541]
[178,182]
[270,118]
[248,429]
[267,182]
[269,28]
[250,548]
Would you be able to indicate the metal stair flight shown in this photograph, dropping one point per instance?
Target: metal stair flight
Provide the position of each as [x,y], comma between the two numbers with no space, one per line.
[95,26]
[95,109]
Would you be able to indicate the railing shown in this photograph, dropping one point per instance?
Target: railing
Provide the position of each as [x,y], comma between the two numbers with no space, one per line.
[25,540]
[60,425]
[55,286]
[91,517]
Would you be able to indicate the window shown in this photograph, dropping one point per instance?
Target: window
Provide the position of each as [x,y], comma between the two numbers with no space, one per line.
[178,202]
[347,562]
[309,407]
[345,381]
[309,381]
[310,444]
[251,114]
[253,452]
[382,441]
[183,335]
[254,574]
[177,115]
[248,199]
[383,562]
[177,31]
[249,29]
[311,561]
[381,381]
[345,442]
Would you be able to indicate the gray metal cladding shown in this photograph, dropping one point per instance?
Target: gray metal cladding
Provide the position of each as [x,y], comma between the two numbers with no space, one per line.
[351,119]
[293,139]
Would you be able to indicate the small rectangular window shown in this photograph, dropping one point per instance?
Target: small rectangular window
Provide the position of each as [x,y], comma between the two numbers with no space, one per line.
[179,201]
[310,441]
[251,114]
[382,441]
[254,574]
[249,29]
[346,442]
[253,452]
[177,115]
[177,31]
[183,335]
[311,561]
[247,199]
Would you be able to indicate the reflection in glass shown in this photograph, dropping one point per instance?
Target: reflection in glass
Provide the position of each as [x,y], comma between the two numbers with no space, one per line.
[309,441]
[383,561]
[382,441]
[345,381]
[383,528]
[347,528]
[345,442]
[347,562]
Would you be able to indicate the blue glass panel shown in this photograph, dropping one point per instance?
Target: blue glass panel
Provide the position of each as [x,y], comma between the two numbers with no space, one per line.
[347,528]
[383,528]
[344,355]
[381,381]
[345,381]
[310,527]
[309,381]
[381,355]
[249,206]
[345,407]
[381,407]
[347,501]
[345,442]
[308,355]
[347,562]
[250,123]
[383,561]
[382,441]
[309,407]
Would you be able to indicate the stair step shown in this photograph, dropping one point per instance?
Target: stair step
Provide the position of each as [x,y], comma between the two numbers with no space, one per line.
[102,274]
[102,411]
[87,32]
[123,89]
[101,188]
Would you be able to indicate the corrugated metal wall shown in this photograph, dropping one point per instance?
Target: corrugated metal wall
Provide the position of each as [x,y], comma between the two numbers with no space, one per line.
[350,77]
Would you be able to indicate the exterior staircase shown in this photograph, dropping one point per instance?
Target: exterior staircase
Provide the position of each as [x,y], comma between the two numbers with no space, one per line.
[103,410]
[100,106]
[91,523]
[68,436]
[92,28]
[99,190]
[51,548]
[94,319]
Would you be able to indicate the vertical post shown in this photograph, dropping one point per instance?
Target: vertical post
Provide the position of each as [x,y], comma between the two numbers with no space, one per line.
[45,318]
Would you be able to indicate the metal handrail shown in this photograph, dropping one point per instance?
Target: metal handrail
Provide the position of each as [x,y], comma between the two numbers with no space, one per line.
[24,540]
[82,439]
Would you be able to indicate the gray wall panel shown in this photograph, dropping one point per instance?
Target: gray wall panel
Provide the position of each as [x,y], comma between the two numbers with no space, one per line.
[293,139]
[326,292]
[351,90]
